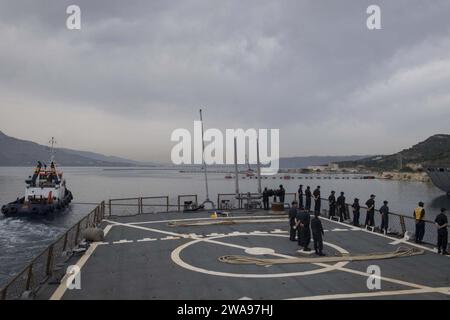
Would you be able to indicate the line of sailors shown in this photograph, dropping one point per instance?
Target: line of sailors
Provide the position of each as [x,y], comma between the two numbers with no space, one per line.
[280,193]
[302,226]
[338,207]
[299,218]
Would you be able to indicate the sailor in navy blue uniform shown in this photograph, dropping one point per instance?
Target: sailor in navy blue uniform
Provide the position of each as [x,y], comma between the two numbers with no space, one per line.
[332,204]
[293,212]
[317,200]
[384,211]
[442,224]
[317,233]
[341,207]
[304,233]
[265,196]
[308,196]
[300,196]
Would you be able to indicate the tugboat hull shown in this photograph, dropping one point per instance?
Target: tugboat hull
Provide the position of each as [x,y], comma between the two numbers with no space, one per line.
[19,208]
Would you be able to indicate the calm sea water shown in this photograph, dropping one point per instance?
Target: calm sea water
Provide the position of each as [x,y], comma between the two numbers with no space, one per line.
[22,239]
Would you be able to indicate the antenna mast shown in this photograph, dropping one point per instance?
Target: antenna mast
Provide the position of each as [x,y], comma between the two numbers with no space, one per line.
[236,171]
[258,166]
[203,161]
[52,149]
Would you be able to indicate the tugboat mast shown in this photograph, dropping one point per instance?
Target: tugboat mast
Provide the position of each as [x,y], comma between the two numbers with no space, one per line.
[52,149]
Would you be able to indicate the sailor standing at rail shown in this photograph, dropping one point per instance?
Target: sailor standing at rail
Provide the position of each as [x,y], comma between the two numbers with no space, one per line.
[317,200]
[356,207]
[293,212]
[282,193]
[304,233]
[370,219]
[317,233]
[442,224]
[265,196]
[384,211]
[300,196]
[332,204]
[308,196]
[341,207]
[419,216]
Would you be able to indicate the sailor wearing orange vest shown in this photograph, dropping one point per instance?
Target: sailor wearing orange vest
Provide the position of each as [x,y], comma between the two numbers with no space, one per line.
[419,215]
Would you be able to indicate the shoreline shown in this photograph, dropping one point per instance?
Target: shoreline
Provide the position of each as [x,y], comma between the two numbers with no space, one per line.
[404,176]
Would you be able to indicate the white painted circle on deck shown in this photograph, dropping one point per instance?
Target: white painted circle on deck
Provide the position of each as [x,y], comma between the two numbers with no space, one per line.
[325,267]
[259,251]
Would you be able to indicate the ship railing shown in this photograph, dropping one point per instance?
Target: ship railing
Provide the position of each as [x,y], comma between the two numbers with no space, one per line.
[50,262]
[157,204]
[138,205]
[152,204]
[399,225]
[229,201]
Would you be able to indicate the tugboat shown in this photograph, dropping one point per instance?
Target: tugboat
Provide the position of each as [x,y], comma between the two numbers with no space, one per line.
[45,193]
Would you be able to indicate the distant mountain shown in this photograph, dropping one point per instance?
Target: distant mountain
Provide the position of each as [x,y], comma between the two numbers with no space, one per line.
[101,157]
[303,162]
[16,152]
[434,151]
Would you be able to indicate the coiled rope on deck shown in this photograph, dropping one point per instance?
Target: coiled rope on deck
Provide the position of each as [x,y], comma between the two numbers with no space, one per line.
[206,223]
[222,222]
[400,252]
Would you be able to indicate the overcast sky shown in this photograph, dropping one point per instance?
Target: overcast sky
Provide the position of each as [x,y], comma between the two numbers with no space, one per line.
[137,70]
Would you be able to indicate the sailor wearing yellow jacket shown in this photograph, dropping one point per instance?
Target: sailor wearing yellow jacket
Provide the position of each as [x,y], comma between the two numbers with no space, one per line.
[419,216]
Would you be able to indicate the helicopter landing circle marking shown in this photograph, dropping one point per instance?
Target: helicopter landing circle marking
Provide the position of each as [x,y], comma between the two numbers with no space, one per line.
[177,259]
[259,251]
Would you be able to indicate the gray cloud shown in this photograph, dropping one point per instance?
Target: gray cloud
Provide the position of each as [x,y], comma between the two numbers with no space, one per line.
[138,70]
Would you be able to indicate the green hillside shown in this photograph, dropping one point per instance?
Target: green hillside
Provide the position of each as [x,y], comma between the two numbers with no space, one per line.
[434,151]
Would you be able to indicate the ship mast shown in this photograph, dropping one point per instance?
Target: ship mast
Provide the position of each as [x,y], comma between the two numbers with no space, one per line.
[236,170]
[258,166]
[204,165]
[247,162]
[52,149]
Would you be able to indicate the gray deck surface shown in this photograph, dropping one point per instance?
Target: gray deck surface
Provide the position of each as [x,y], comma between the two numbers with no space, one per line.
[145,264]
